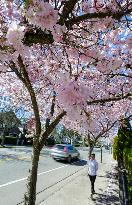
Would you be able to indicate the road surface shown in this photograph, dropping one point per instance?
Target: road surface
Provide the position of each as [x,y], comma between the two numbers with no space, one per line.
[14,169]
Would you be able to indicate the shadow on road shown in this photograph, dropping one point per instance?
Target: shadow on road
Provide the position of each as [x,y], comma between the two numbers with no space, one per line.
[74,162]
[79,163]
[101,176]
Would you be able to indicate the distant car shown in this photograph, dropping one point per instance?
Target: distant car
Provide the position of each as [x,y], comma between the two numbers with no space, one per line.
[64,152]
[97,146]
[107,147]
[13,135]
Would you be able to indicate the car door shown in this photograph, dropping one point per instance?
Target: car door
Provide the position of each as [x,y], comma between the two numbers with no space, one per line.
[75,152]
[71,151]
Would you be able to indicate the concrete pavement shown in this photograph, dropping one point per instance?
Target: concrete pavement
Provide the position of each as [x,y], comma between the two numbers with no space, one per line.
[76,189]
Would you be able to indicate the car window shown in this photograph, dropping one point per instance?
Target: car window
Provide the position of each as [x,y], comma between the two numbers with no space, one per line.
[61,147]
[70,148]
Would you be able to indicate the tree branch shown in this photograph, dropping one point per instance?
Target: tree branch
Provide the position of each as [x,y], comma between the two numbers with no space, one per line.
[104,131]
[23,76]
[51,111]
[38,36]
[67,9]
[50,129]
[120,74]
[105,100]
[100,15]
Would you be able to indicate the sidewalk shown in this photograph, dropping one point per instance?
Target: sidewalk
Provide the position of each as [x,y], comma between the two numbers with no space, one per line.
[76,190]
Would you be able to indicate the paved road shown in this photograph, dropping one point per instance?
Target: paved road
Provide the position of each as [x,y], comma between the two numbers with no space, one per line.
[14,166]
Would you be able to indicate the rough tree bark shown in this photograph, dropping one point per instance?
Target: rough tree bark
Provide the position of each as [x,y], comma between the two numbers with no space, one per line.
[30,196]
[90,150]
[3,139]
[91,144]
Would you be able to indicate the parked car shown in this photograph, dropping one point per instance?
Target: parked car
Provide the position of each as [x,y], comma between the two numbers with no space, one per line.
[97,146]
[64,152]
[107,147]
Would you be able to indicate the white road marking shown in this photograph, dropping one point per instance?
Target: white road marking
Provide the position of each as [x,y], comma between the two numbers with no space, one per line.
[22,179]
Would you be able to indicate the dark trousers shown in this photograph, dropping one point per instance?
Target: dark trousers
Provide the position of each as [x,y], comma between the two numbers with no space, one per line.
[92,180]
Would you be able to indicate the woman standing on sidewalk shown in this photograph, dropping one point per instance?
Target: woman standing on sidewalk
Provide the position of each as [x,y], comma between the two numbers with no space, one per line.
[92,171]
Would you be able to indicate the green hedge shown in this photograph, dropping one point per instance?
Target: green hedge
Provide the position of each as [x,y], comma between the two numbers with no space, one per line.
[122,150]
[9,140]
[115,148]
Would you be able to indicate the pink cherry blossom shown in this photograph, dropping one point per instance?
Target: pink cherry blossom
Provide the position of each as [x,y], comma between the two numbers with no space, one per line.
[42,14]
[15,33]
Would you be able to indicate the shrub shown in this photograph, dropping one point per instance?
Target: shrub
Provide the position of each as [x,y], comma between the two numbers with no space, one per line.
[9,140]
[115,148]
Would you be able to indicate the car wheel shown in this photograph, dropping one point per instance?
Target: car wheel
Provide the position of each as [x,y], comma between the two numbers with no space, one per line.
[78,157]
[69,159]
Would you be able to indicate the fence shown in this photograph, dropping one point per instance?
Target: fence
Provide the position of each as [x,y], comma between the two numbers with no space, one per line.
[123,184]
[128,165]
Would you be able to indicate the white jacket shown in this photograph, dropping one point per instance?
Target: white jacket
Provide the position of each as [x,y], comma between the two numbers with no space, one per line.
[92,167]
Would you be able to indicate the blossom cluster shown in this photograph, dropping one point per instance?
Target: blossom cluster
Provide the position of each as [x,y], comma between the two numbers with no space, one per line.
[41,14]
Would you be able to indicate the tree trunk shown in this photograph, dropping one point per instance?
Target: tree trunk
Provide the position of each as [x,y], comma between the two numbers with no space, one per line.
[90,150]
[3,140]
[30,196]
[91,145]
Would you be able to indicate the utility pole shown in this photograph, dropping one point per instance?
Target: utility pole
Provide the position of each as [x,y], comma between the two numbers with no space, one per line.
[101,152]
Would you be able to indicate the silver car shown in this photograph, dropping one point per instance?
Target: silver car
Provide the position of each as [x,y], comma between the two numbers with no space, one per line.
[64,152]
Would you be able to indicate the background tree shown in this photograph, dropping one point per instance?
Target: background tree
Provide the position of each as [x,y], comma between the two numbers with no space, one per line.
[102,128]
[66,135]
[8,120]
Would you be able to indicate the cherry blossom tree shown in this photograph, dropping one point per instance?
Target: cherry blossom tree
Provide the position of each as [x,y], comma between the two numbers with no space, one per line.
[65,59]
[101,129]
